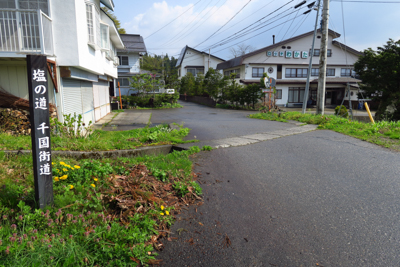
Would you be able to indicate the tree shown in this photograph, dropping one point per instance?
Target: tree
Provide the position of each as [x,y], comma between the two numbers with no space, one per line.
[241,50]
[158,64]
[380,74]
[213,82]
[114,18]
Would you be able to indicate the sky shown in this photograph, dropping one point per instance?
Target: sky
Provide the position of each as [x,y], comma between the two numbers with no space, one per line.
[169,25]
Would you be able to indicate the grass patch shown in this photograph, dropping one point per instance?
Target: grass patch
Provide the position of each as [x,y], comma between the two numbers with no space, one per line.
[103,140]
[383,133]
[109,212]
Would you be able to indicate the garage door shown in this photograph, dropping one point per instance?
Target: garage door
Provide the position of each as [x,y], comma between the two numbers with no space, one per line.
[101,99]
[78,99]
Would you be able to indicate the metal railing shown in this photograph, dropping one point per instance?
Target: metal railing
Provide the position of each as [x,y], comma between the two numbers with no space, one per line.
[25,31]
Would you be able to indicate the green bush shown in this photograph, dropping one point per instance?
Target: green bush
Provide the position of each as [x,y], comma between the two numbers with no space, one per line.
[343,111]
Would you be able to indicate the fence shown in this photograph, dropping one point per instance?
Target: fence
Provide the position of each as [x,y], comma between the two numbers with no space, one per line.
[25,31]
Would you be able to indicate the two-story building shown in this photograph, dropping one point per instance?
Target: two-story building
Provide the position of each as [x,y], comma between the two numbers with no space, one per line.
[80,41]
[288,61]
[129,62]
[195,62]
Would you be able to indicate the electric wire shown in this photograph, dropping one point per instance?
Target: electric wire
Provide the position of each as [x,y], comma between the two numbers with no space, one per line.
[172,20]
[254,28]
[188,24]
[191,30]
[233,38]
[224,24]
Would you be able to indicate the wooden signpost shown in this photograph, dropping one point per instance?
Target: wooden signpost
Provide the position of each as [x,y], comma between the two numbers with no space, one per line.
[269,84]
[40,126]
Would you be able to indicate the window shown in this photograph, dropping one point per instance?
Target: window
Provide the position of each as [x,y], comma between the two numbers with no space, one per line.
[123,60]
[347,72]
[32,4]
[258,72]
[330,72]
[192,71]
[278,94]
[93,25]
[316,52]
[296,73]
[124,82]
[228,73]
[7,4]
[105,38]
[89,20]
[296,94]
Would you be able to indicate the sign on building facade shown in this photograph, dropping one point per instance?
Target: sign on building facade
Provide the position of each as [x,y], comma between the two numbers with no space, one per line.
[40,129]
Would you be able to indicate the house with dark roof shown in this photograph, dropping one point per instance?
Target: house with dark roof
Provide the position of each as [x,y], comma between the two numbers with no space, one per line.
[129,61]
[195,62]
[287,62]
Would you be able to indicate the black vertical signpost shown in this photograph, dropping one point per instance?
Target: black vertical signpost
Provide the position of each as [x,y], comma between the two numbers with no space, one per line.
[40,129]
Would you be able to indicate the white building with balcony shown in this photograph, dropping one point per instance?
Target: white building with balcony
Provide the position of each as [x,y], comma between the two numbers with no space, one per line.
[129,62]
[195,62]
[80,41]
[287,62]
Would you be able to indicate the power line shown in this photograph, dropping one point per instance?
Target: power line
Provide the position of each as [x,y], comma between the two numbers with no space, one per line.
[225,23]
[233,35]
[232,38]
[369,2]
[188,32]
[188,24]
[172,20]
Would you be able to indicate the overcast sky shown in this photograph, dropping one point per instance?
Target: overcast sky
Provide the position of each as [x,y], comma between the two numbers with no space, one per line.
[365,24]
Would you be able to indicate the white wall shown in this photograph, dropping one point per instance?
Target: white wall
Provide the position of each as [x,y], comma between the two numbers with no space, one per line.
[71,38]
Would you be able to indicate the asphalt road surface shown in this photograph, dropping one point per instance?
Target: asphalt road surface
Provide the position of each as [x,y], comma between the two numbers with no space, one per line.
[316,198]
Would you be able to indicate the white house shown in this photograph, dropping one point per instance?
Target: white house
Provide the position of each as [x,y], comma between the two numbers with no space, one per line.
[287,62]
[195,62]
[129,61]
[80,42]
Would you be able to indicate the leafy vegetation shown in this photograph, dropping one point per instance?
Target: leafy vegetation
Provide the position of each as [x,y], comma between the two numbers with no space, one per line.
[89,224]
[225,89]
[153,101]
[380,82]
[99,140]
[384,133]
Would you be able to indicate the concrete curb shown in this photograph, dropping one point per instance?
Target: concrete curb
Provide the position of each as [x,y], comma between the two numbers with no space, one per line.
[127,153]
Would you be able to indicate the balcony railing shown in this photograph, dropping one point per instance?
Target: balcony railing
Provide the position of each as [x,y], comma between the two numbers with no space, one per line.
[25,31]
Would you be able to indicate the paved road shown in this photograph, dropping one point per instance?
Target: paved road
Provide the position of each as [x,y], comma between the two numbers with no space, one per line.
[300,198]
[317,198]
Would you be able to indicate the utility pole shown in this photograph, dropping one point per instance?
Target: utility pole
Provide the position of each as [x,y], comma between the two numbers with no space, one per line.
[323,58]
[305,100]
[209,58]
[162,60]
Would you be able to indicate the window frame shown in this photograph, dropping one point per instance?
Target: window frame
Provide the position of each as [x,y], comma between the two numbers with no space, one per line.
[278,94]
[298,90]
[105,46]
[90,24]
[350,70]
[121,83]
[258,74]
[330,70]
[121,60]
[296,73]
